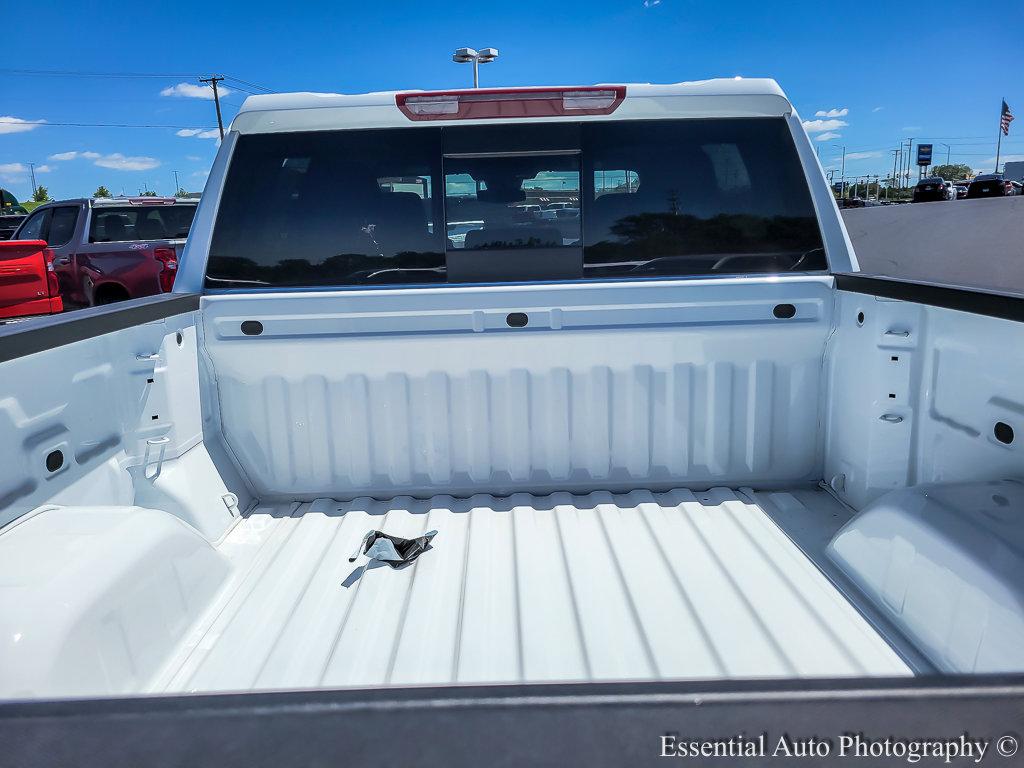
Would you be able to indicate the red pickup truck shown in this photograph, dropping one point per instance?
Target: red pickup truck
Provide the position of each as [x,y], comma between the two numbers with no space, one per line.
[28,284]
[111,249]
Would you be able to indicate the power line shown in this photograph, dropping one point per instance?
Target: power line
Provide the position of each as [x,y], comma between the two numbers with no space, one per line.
[251,85]
[76,73]
[155,75]
[94,125]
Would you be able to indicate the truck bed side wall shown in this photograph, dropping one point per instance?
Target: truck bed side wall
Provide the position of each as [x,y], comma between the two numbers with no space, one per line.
[917,393]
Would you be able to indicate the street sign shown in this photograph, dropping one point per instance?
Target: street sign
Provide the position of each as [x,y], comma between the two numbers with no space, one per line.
[924,154]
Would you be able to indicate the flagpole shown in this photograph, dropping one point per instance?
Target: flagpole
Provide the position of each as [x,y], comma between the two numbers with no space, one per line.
[999,139]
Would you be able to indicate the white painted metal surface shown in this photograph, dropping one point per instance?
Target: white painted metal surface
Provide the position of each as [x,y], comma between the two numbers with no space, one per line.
[524,589]
[609,387]
[94,599]
[915,394]
[283,112]
[96,400]
[946,564]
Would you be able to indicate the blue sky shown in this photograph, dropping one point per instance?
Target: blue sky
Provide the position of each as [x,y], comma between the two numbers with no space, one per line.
[885,71]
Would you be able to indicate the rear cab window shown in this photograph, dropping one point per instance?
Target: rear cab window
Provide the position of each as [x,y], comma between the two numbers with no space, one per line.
[113,224]
[495,203]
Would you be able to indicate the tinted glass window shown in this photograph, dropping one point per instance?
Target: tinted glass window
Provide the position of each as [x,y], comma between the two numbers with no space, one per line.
[62,226]
[339,208]
[697,197]
[112,225]
[35,226]
[521,202]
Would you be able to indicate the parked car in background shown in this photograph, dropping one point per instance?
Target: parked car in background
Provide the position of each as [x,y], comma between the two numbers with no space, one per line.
[1013,187]
[112,249]
[986,185]
[950,190]
[931,189]
[28,284]
[961,189]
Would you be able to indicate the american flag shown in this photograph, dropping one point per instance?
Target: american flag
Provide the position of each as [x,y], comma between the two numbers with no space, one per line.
[1005,118]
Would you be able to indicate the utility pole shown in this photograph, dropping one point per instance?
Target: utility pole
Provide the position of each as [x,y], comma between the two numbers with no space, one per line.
[909,159]
[32,170]
[947,151]
[895,153]
[176,186]
[213,80]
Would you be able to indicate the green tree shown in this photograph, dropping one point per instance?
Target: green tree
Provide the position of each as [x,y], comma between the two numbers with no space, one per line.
[101,191]
[182,192]
[952,172]
[41,194]
[148,193]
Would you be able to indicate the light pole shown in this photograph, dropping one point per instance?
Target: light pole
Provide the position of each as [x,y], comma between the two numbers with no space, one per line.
[947,152]
[476,58]
[842,172]
[176,185]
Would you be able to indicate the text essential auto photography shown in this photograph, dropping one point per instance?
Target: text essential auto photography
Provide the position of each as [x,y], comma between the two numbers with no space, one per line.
[846,746]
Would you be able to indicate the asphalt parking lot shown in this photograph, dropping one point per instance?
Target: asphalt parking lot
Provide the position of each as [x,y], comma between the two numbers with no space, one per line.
[975,243]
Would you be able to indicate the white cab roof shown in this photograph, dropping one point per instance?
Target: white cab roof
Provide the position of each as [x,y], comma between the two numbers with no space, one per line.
[732,97]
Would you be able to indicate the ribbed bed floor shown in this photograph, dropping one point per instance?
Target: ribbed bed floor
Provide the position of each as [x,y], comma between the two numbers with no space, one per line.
[641,586]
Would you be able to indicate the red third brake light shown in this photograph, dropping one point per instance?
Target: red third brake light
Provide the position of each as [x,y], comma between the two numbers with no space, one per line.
[169,267]
[491,103]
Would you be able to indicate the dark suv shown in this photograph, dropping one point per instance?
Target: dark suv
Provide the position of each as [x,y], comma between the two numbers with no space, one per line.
[931,189]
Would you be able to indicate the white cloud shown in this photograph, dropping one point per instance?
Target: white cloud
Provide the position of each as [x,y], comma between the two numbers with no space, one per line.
[16,172]
[828,135]
[60,156]
[862,155]
[10,124]
[201,174]
[190,91]
[120,162]
[199,133]
[989,163]
[194,158]
[832,113]
[878,109]
[817,126]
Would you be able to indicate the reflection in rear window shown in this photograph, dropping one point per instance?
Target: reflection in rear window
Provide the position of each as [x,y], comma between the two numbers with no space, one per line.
[624,199]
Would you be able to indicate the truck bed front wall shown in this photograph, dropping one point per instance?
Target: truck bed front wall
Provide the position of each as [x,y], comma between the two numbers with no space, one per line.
[608,386]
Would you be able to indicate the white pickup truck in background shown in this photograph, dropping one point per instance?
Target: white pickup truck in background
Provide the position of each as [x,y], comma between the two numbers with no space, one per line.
[664,433]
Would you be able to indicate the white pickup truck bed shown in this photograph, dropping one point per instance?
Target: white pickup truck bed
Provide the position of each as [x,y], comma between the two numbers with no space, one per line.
[638,586]
[184,480]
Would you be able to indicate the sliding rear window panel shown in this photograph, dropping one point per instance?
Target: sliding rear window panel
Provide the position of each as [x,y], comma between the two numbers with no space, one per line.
[275,229]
